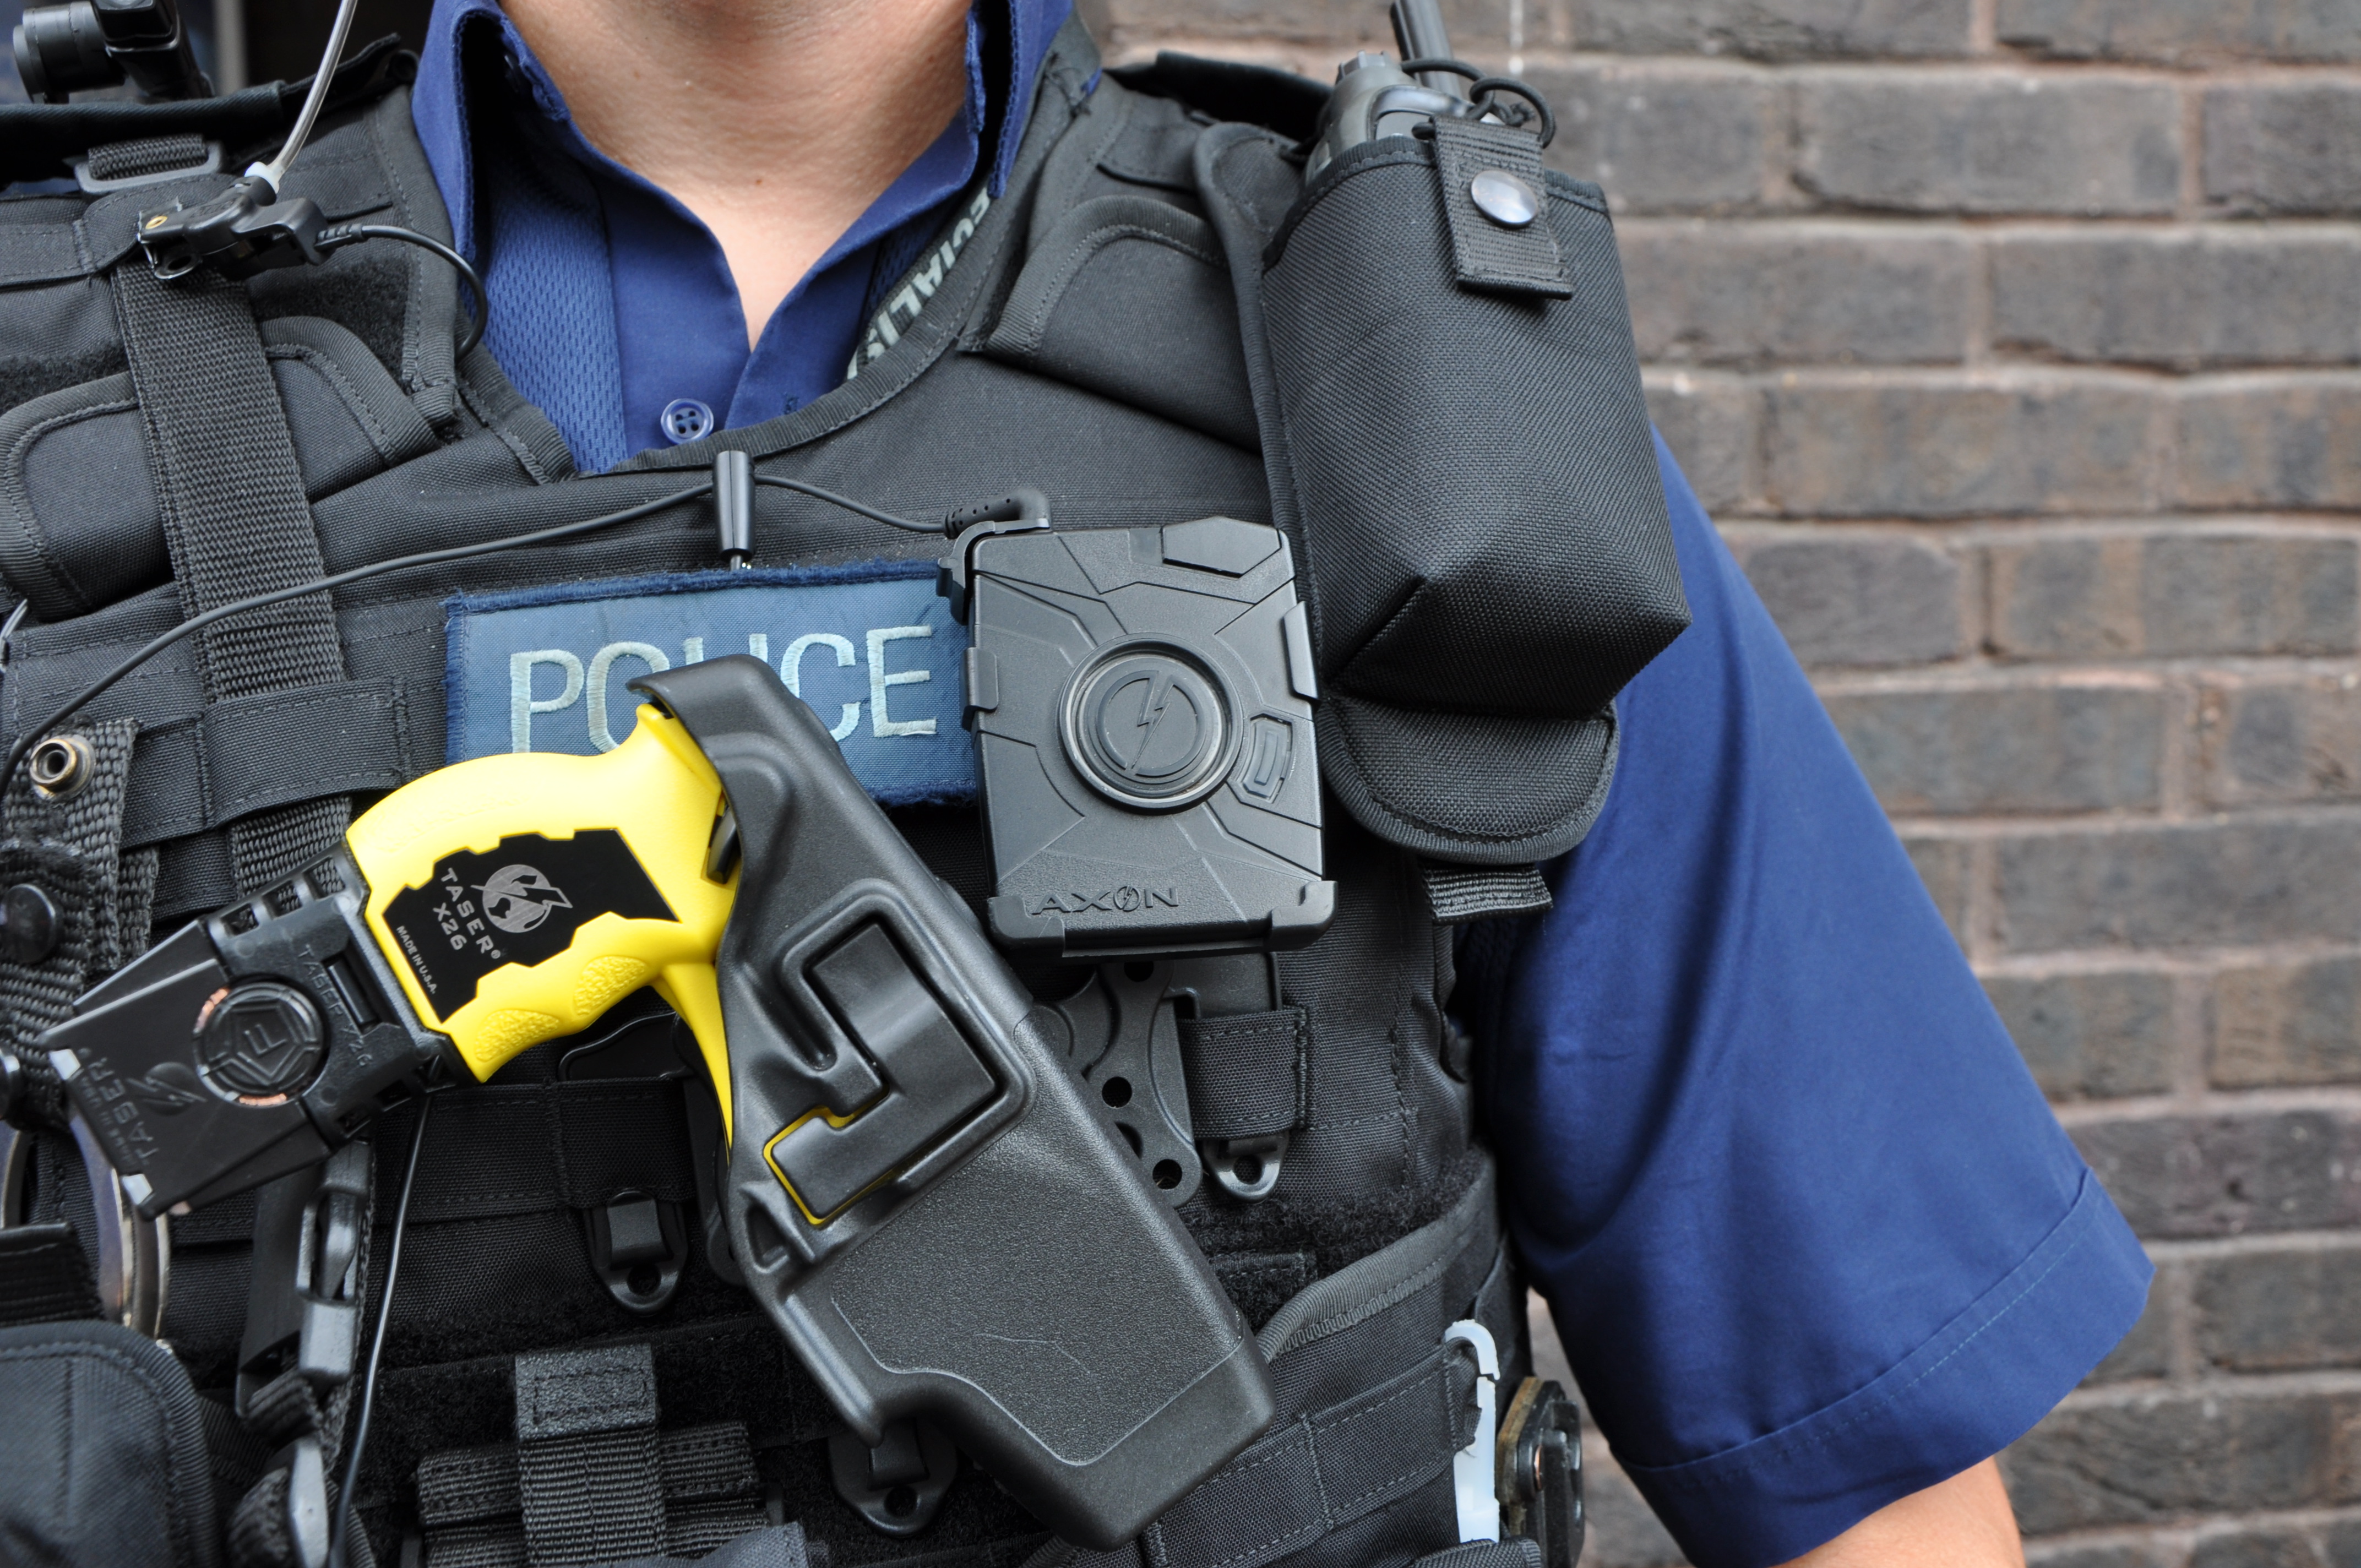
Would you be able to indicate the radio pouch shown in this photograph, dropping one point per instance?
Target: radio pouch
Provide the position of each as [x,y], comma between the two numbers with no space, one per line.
[1451,418]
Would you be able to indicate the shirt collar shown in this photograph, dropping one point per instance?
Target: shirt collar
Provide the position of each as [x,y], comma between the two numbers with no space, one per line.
[1012,34]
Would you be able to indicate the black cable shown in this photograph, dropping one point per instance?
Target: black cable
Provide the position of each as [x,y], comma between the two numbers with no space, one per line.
[338,236]
[1432,64]
[338,1538]
[157,644]
[847,502]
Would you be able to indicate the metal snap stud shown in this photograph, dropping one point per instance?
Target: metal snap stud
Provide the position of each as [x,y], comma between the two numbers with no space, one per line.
[61,765]
[1504,198]
[28,924]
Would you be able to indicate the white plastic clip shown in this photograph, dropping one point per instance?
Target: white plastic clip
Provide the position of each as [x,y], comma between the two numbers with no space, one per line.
[1472,1467]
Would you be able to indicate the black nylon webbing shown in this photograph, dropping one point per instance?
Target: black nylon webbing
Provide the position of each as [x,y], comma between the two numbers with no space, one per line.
[68,849]
[147,155]
[235,518]
[45,1277]
[524,1148]
[1486,254]
[1247,1073]
[1460,893]
[1310,1478]
[269,748]
[589,1475]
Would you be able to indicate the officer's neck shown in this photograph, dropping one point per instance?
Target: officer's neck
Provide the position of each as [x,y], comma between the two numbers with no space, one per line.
[777,122]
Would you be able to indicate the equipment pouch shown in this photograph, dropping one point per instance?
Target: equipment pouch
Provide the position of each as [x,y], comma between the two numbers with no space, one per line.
[105,1450]
[1453,426]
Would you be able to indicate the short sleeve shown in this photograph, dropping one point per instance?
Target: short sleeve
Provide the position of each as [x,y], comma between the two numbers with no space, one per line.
[1811,1236]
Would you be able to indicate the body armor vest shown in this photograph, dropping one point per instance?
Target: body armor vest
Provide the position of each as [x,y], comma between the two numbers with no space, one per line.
[1082,334]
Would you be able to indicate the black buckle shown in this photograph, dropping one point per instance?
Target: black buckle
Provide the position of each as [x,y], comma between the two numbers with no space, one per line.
[304,1310]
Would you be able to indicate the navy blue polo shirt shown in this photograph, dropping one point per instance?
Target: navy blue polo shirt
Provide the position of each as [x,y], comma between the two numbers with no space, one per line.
[1812,1238]
[614,303]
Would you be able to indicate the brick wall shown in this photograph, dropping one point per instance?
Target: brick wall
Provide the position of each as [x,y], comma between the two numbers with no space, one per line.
[2017,346]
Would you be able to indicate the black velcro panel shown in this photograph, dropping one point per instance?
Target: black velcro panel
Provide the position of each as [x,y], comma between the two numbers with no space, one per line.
[1247,1072]
[524,1148]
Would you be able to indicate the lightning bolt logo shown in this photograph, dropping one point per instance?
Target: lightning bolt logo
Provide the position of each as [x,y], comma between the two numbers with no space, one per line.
[518,898]
[1151,712]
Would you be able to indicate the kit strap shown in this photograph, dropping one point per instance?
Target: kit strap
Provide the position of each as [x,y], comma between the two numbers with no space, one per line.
[1310,1478]
[235,518]
[590,1469]
[1496,247]
[1247,1073]
[1458,894]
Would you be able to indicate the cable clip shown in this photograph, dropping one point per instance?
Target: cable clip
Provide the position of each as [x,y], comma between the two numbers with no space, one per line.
[244,231]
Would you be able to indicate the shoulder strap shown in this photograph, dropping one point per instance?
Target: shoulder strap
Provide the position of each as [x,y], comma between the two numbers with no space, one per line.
[235,518]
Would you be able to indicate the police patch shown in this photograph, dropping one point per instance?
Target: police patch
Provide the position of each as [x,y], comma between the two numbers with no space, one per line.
[872,648]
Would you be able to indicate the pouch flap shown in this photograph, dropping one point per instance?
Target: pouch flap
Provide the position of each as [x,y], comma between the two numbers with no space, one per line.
[79,522]
[106,1452]
[1127,296]
[347,414]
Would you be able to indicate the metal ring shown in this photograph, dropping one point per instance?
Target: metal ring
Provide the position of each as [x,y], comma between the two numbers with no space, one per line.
[134,1256]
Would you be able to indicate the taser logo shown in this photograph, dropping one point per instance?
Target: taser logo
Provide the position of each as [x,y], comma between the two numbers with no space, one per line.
[518,898]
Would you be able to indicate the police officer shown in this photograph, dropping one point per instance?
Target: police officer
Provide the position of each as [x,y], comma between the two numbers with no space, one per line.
[1815,1246]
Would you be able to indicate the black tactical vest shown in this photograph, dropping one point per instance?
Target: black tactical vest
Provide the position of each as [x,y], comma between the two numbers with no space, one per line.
[163,449]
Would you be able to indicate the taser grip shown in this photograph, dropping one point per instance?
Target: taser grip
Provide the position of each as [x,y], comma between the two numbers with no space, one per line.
[520,897]
[920,1193]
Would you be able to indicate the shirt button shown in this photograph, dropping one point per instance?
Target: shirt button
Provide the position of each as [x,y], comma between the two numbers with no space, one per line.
[685,420]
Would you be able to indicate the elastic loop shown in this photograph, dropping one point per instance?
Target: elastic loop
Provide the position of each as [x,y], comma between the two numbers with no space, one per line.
[1484,87]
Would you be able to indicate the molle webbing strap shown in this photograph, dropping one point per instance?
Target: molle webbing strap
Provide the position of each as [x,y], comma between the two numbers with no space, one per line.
[1247,1073]
[589,1471]
[1308,1479]
[66,851]
[235,519]
[1461,893]
[250,753]
[470,1500]
[527,1148]
[45,1277]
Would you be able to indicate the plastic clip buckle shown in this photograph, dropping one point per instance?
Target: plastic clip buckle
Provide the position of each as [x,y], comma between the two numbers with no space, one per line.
[304,1314]
[1473,1476]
